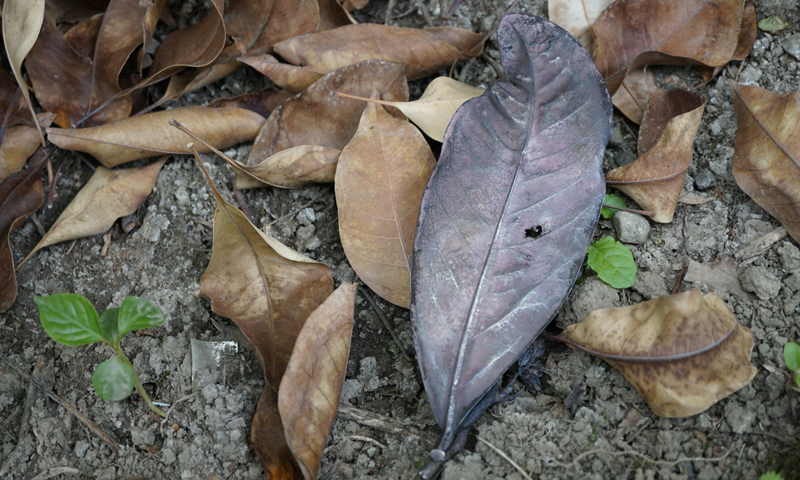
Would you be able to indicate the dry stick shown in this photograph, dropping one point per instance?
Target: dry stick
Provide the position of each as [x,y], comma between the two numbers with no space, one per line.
[8,114]
[243,203]
[376,421]
[646,213]
[425,13]
[508,459]
[85,160]
[74,411]
[52,195]
[228,159]
[498,70]
[368,296]
[760,245]
[683,262]
[389,9]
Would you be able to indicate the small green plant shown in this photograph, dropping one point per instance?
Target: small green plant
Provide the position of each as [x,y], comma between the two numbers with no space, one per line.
[791,355]
[72,320]
[611,199]
[613,262]
[770,476]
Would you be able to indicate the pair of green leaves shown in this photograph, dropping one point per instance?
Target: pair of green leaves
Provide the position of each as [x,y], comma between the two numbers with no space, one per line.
[72,320]
[791,355]
[612,260]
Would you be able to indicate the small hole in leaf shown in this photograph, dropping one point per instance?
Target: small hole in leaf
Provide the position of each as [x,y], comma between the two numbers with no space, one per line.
[534,231]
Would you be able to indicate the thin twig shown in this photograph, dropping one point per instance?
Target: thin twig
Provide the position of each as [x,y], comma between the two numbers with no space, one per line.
[683,251]
[175,403]
[508,459]
[52,195]
[425,13]
[377,421]
[74,411]
[646,213]
[8,114]
[361,438]
[324,191]
[498,70]
[243,203]
[389,9]
[368,296]
[85,160]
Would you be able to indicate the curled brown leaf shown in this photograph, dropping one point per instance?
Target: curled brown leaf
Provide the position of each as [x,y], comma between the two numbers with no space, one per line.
[289,77]
[682,352]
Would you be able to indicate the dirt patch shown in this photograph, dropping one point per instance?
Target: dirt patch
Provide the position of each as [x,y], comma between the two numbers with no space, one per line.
[588,423]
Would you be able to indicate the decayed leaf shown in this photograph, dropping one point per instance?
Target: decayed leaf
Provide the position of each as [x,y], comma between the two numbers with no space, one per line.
[631,34]
[722,277]
[766,160]
[20,195]
[269,291]
[506,217]
[295,167]
[262,103]
[22,20]
[309,393]
[682,352]
[83,36]
[380,180]
[289,77]
[433,110]
[149,135]
[19,143]
[423,51]
[318,117]
[747,37]
[577,16]
[666,138]
[108,195]
[634,93]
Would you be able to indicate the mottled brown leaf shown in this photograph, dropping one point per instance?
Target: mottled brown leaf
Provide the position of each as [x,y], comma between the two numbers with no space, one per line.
[262,103]
[380,179]
[632,97]
[682,352]
[108,195]
[309,393]
[666,138]
[20,195]
[318,117]
[423,51]
[19,143]
[766,160]
[294,167]
[149,135]
[83,36]
[634,33]
[268,290]
[287,76]
[289,18]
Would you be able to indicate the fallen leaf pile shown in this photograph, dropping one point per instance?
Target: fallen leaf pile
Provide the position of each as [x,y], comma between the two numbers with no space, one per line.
[338,110]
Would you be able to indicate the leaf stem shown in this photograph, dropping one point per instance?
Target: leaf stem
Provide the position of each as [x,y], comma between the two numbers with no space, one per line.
[138,382]
[646,213]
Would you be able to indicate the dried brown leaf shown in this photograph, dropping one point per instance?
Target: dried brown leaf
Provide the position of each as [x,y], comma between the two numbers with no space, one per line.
[293,167]
[309,393]
[149,135]
[632,97]
[722,277]
[83,36]
[682,352]
[666,138]
[108,195]
[19,143]
[289,18]
[20,195]
[289,77]
[631,34]
[576,17]
[318,117]
[70,11]
[423,51]
[21,114]
[22,20]
[269,291]
[766,160]
[380,180]
[262,103]
[333,15]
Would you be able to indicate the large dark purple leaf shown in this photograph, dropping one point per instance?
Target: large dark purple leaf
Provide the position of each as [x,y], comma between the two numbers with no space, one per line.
[507,216]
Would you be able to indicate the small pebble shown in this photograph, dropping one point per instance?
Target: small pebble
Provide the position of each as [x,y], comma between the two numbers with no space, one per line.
[790,257]
[705,179]
[631,227]
[625,157]
[792,46]
[760,281]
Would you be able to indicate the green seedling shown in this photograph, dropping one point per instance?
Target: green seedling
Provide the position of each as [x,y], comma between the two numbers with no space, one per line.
[72,320]
[791,355]
[770,475]
[613,262]
[613,200]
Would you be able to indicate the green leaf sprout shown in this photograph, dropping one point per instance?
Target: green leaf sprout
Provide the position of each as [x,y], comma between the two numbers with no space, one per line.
[613,262]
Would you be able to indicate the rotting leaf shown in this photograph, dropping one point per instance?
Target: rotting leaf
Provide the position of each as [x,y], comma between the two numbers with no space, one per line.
[108,195]
[772,24]
[269,291]
[432,111]
[22,20]
[318,117]
[149,135]
[309,394]
[423,51]
[631,34]
[507,217]
[577,17]
[682,352]
[287,76]
[380,179]
[666,138]
[20,195]
[766,158]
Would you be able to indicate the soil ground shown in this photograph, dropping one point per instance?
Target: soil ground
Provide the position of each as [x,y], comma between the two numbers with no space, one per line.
[588,423]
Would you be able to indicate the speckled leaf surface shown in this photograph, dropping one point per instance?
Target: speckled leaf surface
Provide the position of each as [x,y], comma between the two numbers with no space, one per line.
[507,215]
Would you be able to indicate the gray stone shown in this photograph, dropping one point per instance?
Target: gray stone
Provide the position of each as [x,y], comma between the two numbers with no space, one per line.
[760,281]
[593,294]
[616,136]
[738,417]
[793,282]
[792,46]
[750,76]
[650,285]
[631,227]
[705,179]
[625,157]
[790,257]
